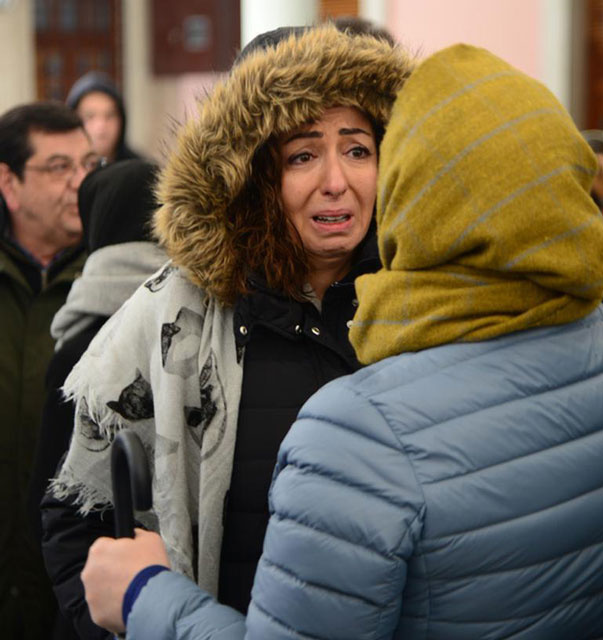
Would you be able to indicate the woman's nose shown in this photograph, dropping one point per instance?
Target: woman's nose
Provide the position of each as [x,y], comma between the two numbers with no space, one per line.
[334,179]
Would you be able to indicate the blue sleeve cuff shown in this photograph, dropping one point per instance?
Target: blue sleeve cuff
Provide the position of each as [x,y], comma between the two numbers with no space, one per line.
[135,587]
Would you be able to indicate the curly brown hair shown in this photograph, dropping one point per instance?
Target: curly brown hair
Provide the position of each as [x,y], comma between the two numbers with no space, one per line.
[262,236]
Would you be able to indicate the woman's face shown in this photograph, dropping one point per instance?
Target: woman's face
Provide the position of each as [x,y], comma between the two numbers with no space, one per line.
[329,182]
[102,122]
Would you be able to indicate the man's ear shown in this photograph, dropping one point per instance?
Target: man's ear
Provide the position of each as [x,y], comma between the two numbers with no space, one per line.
[8,187]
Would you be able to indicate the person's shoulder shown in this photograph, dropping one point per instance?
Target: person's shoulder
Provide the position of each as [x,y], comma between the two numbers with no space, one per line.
[418,390]
[408,390]
[157,302]
[70,267]
[387,399]
[168,277]
[401,371]
[344,406]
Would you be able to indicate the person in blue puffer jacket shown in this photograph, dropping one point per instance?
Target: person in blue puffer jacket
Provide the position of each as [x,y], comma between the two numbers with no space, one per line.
[453,489]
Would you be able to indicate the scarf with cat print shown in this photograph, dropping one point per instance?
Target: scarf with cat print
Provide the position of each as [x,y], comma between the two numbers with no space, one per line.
[174,380]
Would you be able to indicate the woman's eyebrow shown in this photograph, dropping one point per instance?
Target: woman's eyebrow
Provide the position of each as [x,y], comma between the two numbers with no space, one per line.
[317,134]
[304,134]
[351,132]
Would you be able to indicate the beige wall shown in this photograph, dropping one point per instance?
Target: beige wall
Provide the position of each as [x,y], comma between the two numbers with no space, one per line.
[17,62]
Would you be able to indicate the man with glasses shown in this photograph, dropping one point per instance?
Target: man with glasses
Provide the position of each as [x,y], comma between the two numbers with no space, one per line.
[44,156]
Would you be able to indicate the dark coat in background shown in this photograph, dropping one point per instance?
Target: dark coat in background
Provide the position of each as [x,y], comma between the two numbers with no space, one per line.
[29,298]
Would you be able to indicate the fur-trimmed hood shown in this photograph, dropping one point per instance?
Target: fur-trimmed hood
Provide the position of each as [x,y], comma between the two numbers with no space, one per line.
[270,92]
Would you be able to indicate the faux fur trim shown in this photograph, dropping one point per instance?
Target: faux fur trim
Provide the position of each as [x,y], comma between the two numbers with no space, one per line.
[269,92]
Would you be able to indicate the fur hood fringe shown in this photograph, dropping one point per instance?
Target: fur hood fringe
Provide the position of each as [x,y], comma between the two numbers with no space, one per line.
[269,93]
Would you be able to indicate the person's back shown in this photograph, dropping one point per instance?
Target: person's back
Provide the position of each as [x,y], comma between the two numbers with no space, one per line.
[479,490]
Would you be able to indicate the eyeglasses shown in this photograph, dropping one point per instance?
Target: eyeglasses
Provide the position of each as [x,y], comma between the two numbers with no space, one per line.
[61,168]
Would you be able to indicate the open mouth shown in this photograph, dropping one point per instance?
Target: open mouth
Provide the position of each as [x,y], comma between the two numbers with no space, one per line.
[332,219]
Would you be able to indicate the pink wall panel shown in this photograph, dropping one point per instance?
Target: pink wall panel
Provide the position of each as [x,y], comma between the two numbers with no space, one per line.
[512,29]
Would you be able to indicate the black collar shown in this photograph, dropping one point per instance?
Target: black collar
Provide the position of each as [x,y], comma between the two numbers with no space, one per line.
[272,308]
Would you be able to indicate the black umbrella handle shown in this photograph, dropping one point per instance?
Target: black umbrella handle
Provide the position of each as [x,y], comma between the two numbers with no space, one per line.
[131,481]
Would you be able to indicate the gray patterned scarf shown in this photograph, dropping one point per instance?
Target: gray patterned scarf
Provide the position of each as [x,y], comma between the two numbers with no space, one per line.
[166,365]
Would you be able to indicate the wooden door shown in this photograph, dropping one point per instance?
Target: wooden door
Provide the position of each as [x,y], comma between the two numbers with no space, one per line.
[338,8]
[73,37]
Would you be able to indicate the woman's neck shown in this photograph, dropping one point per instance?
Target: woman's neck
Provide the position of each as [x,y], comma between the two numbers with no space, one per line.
[323,275]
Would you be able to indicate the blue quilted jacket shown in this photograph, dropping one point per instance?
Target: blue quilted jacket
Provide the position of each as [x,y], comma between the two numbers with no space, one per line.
[455,493]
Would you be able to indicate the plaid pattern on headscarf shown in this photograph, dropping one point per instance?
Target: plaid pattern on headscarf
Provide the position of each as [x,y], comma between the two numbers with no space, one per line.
[485,222]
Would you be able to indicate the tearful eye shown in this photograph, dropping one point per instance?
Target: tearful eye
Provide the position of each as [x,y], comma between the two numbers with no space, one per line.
[359,152]
[300,158]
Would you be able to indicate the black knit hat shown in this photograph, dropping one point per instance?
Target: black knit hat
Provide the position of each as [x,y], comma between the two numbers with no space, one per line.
[117,202]
[268,39]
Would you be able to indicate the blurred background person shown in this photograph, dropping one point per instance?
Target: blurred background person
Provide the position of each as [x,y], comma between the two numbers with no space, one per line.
[44,156]
[116,205]
[101,107]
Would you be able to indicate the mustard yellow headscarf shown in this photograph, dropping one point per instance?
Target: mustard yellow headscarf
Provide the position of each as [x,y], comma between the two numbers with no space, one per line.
[485,222]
